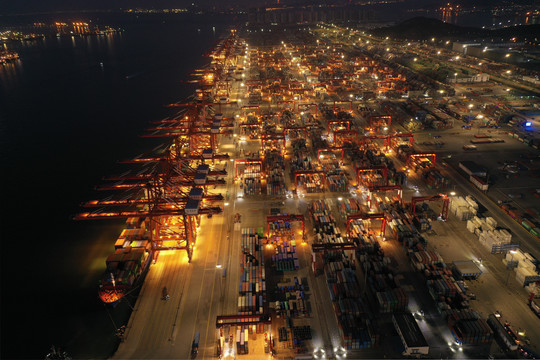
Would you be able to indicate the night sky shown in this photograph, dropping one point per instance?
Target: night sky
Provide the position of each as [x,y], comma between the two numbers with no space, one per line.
[29,6]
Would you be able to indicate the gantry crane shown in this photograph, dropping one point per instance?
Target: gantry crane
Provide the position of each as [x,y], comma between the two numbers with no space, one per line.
[380,217]
[334,125]
[340,137]
[378,121]
[369,138]
[268,140]
[307,173]
[341,150]
[250,108]
[421,160]
[336,103]
[372,170]
[393,140]
[247,162]
[440,197]
[173,213]
[307,107]
[289,218]
[296,130]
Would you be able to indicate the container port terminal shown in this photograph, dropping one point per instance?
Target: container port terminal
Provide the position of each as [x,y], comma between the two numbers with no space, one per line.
[317,198]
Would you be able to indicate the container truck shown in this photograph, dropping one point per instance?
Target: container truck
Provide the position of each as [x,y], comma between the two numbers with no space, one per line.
[500,331]
[534,307]
[195,345]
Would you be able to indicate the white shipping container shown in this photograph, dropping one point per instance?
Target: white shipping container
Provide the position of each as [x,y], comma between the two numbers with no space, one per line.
[471,202]
[470,226]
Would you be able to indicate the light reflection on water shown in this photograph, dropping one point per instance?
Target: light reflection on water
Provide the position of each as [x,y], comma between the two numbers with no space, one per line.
[10,75]
[63,125]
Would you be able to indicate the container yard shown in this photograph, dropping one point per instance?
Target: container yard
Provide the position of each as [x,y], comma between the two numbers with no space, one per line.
[373,240]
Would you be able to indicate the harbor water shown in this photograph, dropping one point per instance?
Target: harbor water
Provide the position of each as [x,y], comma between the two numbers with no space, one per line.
[70,109]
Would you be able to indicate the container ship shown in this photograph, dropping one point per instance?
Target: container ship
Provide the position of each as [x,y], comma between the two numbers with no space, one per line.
[127,266]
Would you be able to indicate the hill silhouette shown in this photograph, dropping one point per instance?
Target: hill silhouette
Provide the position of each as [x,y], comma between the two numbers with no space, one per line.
[422,28]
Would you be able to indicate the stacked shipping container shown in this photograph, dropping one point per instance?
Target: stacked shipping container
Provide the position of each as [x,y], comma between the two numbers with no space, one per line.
[252,287]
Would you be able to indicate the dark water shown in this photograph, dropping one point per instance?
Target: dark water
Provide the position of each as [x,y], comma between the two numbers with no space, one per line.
[65,121]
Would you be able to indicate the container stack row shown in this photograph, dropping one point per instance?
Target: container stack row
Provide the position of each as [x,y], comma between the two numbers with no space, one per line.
[365,239]
[337,182]
[385,292]
[301,161]
[421,258]
[464,208]
[329,163]
[275,173]
[252,286]
[435,180]
[310,183]
[350,309]
[492,238]
[401,223]
[530,220]
[442,286]
[291,300]
[468,328]
[371,179]
[252,183]
[525,267]
[242,337]
[349,206]
[285,257]
[323,221]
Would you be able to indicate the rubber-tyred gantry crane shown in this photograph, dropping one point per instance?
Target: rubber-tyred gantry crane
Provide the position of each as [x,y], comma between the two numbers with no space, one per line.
[384,189]
[369,138]
[308,108]
[307,173]
[421,158]
[295,131]
[288,218]
[340,137]
[395,139]
[441,197]
[269,140]
[247,162]
[334,125]
[340,149]
[383,170]
[244,110]
[380,217]
[378,122]
[338,103]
